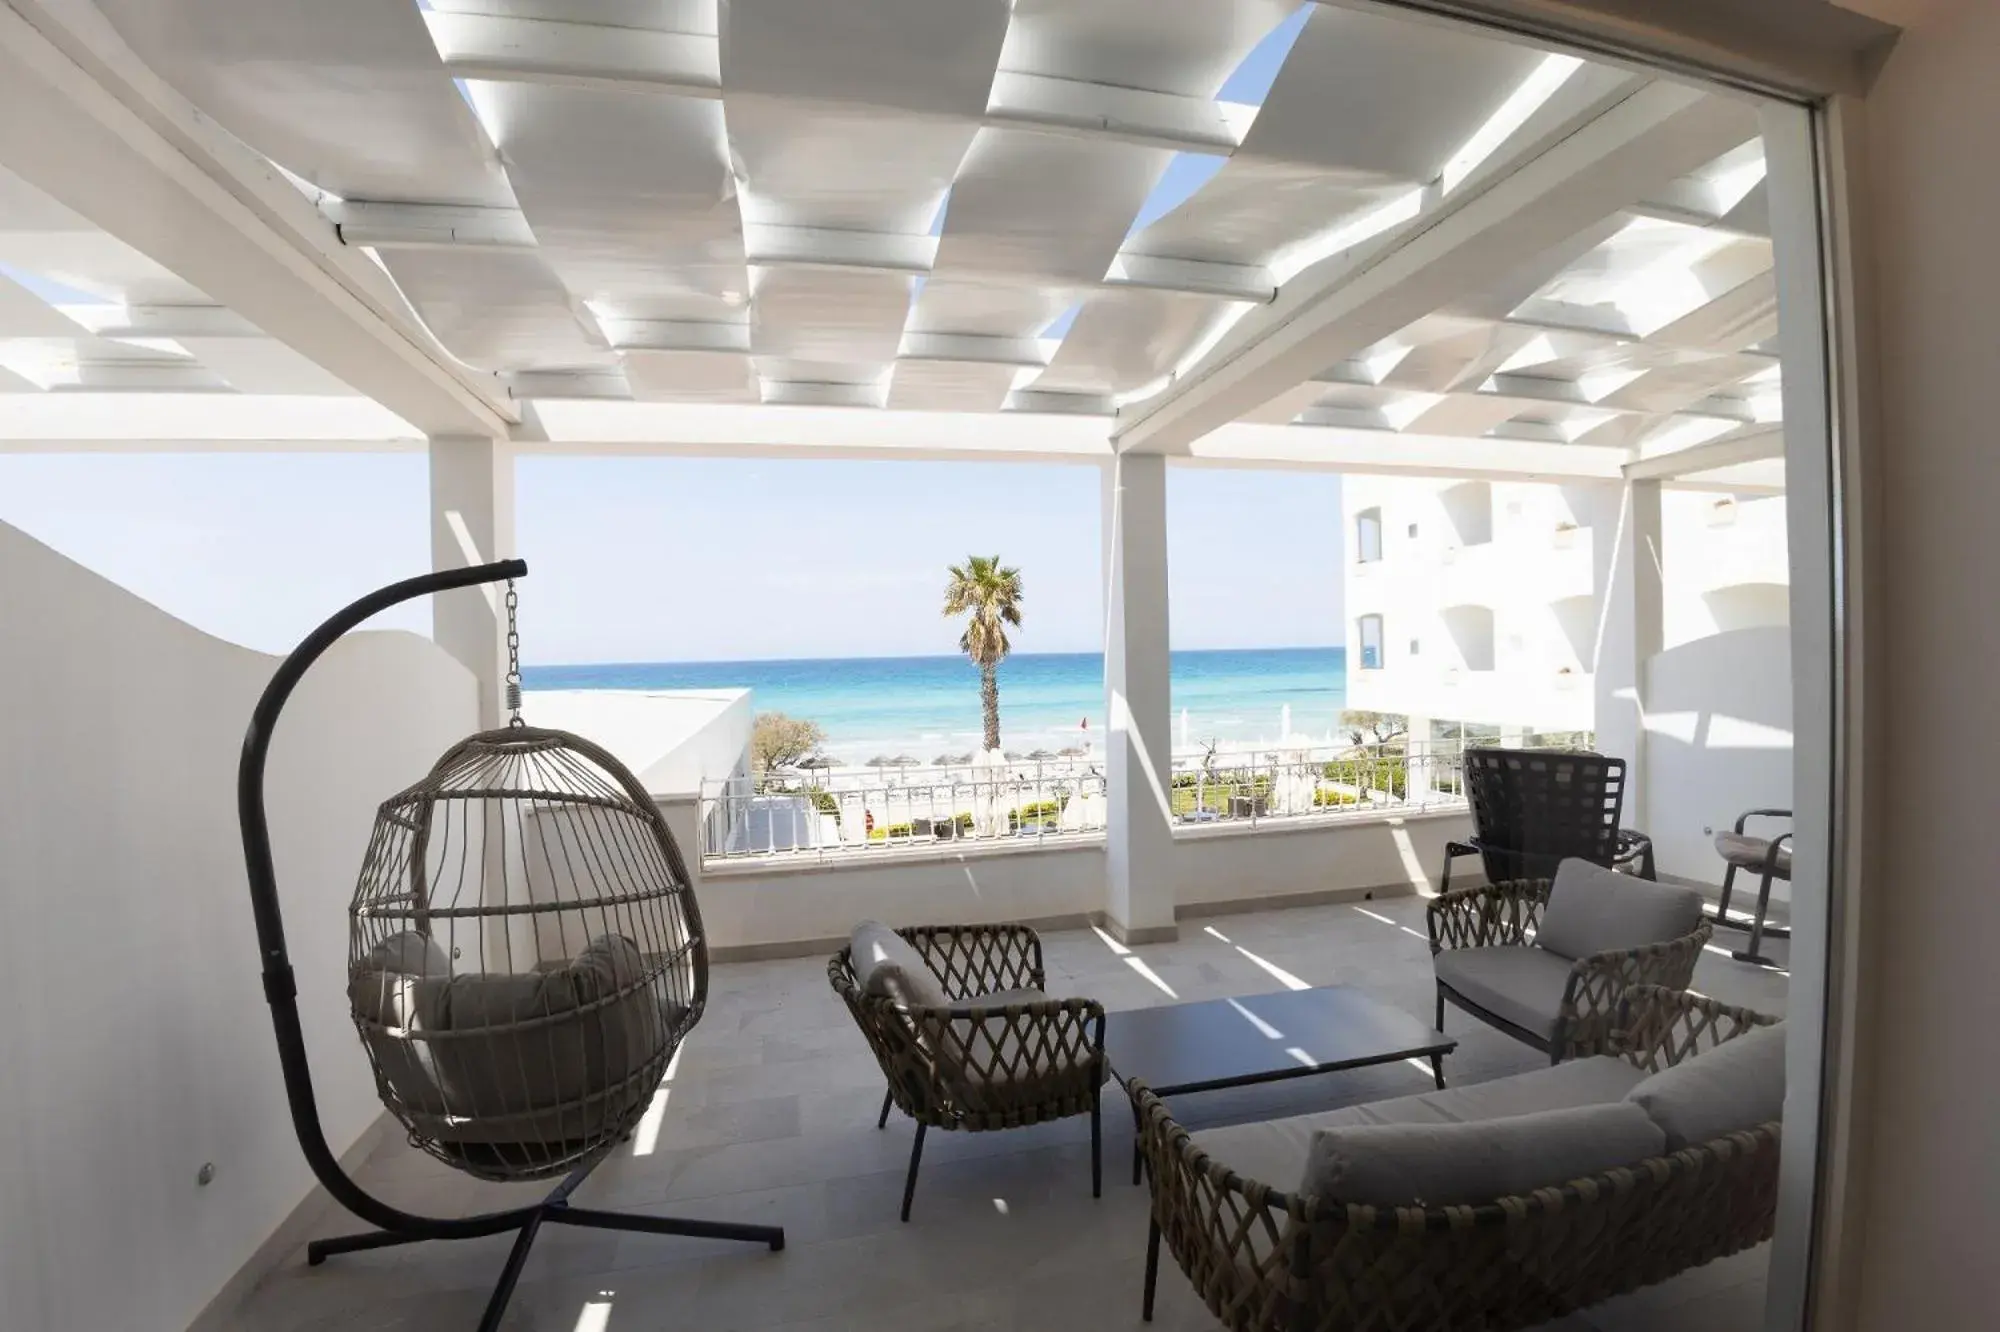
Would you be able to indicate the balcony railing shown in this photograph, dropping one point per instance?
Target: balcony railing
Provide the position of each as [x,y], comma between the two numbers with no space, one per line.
[825,813]
[1309,782]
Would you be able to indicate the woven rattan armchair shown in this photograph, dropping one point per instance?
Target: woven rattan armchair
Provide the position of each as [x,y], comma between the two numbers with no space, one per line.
[1506,914]
[976,1067]
[1265,1260]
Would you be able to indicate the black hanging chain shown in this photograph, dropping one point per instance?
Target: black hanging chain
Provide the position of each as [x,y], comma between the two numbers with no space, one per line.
[513,657]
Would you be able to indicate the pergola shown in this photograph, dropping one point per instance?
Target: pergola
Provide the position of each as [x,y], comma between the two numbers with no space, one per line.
[1038,230]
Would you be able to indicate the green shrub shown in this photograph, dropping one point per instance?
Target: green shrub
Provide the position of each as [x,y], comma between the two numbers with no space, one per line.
[1219,791]
[1044,812]
[897,831]
[1368,774]
[1325,799]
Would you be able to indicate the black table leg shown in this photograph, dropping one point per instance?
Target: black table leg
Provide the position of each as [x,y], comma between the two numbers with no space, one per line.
[1152,1266]
[1437,1070]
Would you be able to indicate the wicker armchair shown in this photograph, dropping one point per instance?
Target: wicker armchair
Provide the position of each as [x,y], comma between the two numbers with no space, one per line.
[1264,1260]
[1505,914]
[976,1067]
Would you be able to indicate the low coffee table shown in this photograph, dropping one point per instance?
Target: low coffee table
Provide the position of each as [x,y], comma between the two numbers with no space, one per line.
[1218,1043]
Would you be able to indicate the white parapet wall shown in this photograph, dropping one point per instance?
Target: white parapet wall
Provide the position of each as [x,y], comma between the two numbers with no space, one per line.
[136,1043]
[788,905]
[672,739]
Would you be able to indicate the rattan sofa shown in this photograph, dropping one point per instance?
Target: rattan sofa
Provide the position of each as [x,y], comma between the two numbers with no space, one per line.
[1268,1260]
[998,1054]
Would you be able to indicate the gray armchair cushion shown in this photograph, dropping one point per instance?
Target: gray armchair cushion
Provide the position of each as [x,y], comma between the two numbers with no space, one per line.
[1521,985]
[1592,910]
[888,965]
[1436,1165]
[1275,1150]
[1735,1086]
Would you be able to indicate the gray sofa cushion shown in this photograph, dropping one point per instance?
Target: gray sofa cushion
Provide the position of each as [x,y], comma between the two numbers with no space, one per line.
[1435,1165]
[1522,985]
[1747,852]
[888,965]
[1275,1151]
[1737,1085]
[1592,910]
[553,1055]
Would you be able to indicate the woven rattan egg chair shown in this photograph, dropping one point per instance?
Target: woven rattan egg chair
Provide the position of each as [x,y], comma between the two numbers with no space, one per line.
[525,957]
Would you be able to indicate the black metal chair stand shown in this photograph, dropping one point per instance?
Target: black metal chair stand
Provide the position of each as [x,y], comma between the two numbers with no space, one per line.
[281,993]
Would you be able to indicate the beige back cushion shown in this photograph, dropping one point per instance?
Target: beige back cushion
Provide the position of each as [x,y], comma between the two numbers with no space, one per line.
[1734,1087]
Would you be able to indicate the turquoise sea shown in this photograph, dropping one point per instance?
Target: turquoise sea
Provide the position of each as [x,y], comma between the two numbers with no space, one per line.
[929,706]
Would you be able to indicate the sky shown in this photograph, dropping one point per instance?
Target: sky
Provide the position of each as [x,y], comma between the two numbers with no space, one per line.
[687,559]
[678,559]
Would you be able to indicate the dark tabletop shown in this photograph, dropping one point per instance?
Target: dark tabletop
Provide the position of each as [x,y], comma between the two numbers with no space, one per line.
[1262,1038]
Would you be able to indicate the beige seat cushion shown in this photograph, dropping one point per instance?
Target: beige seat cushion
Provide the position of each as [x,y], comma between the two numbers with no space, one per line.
[1518,983]
[1593,910]
[1437,1165]
[1274,1152]
[1750,852]
[888,965]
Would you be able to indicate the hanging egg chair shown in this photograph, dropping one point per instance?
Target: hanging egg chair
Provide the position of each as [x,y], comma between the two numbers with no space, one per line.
[525,956]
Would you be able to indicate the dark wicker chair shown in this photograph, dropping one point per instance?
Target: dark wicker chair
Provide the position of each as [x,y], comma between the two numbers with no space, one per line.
[977,1068]
[1265,1260]
[1504,914]
[1535,808]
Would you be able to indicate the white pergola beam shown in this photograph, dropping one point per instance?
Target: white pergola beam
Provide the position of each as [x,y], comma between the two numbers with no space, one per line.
[1129,115]
[162,321]
[1345,304]
[82,421]
[585,55]
[1196,277]
[1388,453]
[419,226]
[86,122]
[1708,457]
[814,431]
[973,349]
[826,247]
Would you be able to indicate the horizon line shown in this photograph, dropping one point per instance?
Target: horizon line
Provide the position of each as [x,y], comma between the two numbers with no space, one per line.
[900,656]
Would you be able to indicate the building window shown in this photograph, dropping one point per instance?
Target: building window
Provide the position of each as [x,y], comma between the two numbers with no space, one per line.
[1415,646]
[1413,531]
[1370,634]
[1368,536]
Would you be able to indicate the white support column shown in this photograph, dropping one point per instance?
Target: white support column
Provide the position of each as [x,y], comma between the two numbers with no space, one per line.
[472,522]
[1419,748]
[1625,542]
[1139,886]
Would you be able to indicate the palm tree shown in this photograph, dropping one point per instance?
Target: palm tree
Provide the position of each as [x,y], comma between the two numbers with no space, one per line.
[990,597]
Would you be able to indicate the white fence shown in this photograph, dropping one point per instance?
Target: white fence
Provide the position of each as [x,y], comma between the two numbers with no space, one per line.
[848,811]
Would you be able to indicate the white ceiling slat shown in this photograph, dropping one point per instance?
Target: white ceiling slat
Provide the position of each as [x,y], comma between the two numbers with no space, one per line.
[494,309]
[1123,341]
[630,198]
[585,55]
[351,97]
[949,385]
[771,246]
[262,365]
[411,226]
[690,376]
[26,315]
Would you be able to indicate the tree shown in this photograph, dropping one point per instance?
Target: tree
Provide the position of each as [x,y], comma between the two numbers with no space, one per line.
[778,741]
[989,596]
[1361,724]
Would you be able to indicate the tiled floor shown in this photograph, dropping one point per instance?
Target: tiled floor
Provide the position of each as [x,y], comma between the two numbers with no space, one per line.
[770,1117]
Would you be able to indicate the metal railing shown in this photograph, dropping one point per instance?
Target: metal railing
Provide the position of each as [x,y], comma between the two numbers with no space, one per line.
[1317,781]
[850,812]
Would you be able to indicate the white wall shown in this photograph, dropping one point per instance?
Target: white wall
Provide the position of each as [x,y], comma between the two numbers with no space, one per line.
[1933,986]
[136,1045]
[1718,742]
[671,738]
